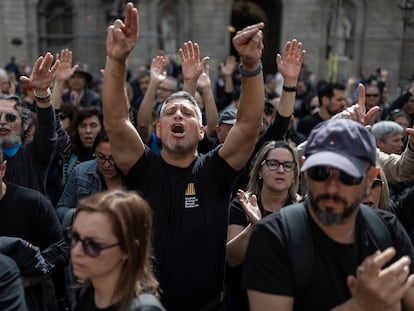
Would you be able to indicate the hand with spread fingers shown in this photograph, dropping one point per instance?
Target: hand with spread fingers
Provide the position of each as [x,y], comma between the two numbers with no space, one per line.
[157,72]
[42,74]
[250,206]
[290,63]
[378,288]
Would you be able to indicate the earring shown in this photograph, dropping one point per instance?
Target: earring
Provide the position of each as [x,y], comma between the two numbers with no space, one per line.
[260,177]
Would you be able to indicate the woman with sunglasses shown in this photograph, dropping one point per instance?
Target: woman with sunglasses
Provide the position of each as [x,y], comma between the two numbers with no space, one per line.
[273,184]
[111,252]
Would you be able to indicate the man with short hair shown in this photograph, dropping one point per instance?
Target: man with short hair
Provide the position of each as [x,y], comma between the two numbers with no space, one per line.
[188,192]
[28,161]
[347,268]
[331,101]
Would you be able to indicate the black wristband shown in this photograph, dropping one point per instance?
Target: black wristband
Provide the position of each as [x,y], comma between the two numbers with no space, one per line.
[290,88]
[251,73]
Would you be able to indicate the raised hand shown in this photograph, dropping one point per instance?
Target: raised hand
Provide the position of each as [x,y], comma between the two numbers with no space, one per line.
[248,42]
[204,81]
[157,72]
[42,74]
[378,288]
[65,69]
[191,65]
[123,35]
[357,112]
[250,206]
[228,68]
[290,63]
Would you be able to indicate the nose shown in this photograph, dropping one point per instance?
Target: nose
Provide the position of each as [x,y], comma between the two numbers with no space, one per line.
[333,182]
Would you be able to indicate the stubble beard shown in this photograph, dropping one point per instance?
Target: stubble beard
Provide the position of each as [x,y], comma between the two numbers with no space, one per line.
[327,216]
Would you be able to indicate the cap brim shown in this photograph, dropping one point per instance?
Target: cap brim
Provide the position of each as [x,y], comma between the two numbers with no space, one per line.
[229,122]
[351,165]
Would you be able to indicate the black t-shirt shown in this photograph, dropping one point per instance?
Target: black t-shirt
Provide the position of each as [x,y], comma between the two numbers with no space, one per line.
[190,213]
[268,267]
[308,122]
[86,301]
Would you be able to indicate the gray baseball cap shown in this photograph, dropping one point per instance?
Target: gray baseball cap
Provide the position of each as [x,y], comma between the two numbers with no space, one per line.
[340,143]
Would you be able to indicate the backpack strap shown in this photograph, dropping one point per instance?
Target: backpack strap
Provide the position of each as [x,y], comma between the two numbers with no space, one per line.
[376,227]
[299,243]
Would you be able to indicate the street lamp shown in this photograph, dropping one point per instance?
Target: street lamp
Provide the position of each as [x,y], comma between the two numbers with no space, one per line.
[406,10]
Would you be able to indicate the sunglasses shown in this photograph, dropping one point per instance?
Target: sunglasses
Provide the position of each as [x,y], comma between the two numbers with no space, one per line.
[273,165]
[90,247]
[322,173]
[10,117]
[371,95]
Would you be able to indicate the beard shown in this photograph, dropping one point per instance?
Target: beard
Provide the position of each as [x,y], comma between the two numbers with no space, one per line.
[327,215]
[182,147]
[11,140]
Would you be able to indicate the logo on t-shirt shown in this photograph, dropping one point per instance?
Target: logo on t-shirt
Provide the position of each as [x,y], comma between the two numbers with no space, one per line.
[191,200]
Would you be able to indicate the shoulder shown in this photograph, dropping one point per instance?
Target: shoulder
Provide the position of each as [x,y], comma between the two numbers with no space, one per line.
[146,302]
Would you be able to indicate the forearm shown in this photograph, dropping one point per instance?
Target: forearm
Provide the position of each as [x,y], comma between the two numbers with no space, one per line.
[190,86]
[44,140]
[57,94]
[237,246]
[210,109]
[144,114]
[397,167]
[115,101]
[228,84]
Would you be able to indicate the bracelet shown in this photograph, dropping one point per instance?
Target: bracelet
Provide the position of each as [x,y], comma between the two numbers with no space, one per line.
[43,99]
[290,88]
[251,73]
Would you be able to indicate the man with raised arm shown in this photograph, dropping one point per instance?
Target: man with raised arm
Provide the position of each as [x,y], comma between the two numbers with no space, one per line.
[188,192]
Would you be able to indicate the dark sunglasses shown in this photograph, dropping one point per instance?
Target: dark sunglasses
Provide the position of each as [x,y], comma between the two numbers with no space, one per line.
[322,173]
[10,117]
[371,95]
[90,247]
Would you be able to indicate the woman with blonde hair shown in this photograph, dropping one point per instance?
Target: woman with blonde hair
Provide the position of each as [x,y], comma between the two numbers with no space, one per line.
[111,252]
[273,184]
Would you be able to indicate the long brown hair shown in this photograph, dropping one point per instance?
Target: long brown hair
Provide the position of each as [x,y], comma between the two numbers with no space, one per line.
[131,220]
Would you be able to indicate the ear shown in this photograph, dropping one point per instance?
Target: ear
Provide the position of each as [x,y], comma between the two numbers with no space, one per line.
[201,132]
[157,129]
[25,125]
[325,101]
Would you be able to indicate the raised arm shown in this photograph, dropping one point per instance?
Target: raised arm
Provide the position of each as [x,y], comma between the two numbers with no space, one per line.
[126,144]
[62,74]
[241,139]
[289,65]
[191,65]
[210,108]
[41,77]
[144,114]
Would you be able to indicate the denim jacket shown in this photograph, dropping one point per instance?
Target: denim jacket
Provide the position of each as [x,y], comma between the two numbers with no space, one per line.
[84,181]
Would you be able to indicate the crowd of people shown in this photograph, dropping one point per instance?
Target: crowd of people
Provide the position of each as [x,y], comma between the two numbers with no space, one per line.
[172,190]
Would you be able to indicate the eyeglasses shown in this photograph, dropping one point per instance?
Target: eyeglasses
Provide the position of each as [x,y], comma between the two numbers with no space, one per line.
[377,182]
[322,173]
[371,95]
[102,159]
[9,116]
[90,247]
[274,165]
[161,88]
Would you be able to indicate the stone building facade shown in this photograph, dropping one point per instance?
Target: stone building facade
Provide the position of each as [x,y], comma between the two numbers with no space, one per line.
[342,37]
